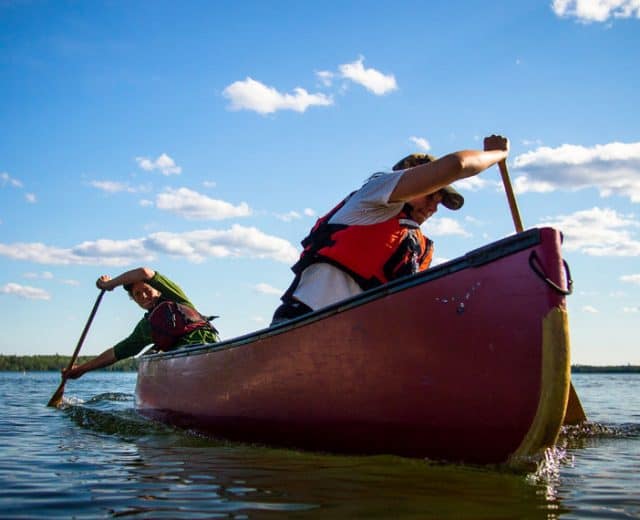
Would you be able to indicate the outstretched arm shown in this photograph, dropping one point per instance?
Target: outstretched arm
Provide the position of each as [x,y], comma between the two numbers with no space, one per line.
[105,359]
[141,274]
[430,177]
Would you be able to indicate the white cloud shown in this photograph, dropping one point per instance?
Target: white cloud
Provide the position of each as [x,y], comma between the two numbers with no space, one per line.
[598,232]
[165,164]
[265,288]
[590,309]
[325,77]
[238,241]
[631,310]
[196,246]
[421,143]
[614,169]
[308,212]
[596,10]
[477,183]
[443,226]
[371,79]
[631,278]
[6,179]
[288,217]
[112,186]
[195,206]
[44,275]
[209,184]
[30,198]
[25,291]
[258,97]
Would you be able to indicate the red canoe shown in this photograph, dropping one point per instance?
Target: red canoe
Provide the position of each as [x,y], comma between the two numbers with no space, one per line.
[468,361]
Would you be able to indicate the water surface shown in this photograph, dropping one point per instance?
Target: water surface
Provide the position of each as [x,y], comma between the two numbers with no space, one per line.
[96,458]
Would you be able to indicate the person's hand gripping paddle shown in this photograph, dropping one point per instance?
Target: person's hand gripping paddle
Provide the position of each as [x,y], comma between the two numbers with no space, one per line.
[56,399]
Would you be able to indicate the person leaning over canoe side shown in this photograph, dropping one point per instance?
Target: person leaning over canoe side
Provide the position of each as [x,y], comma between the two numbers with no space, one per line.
[373,236]
[171,321]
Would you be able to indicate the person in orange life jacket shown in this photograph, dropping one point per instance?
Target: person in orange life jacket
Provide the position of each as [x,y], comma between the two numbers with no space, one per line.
[373,235]
[171,321]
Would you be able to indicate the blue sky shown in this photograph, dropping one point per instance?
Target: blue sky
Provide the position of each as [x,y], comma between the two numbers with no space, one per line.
[204,138]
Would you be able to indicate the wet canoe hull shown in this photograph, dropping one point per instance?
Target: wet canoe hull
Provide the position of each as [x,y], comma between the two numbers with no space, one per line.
[467,362]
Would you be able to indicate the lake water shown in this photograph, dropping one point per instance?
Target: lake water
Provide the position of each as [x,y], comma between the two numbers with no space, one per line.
[96,458]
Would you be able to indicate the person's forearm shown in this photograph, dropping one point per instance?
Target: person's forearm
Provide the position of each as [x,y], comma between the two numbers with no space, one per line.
[475,161]
[431,177]
[141,274]
[105,359]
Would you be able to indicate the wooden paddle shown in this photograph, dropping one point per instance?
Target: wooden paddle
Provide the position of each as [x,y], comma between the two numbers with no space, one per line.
[56,399]
[575,412]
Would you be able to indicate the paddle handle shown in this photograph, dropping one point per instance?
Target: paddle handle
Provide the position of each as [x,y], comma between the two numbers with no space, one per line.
[513,205]
[57,396]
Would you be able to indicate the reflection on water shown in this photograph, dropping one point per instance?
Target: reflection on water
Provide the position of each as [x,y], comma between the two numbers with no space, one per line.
[170,472]
[97,457]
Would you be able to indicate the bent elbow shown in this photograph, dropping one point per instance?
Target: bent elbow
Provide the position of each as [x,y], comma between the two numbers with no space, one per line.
[147,273]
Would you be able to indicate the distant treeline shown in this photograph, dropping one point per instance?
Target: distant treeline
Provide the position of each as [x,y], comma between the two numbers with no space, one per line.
[56,362]
[617,369]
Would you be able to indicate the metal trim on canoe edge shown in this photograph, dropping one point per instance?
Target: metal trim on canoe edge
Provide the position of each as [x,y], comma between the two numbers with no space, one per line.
[475,258]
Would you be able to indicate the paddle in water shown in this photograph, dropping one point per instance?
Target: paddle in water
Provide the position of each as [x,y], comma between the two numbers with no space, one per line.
[56,399]
[575,413]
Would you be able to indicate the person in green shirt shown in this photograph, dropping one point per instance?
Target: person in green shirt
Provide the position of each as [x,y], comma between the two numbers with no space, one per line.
[158,296]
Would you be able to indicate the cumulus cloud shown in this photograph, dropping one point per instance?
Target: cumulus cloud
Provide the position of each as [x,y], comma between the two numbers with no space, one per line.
[596,10]
[309,212]
[195,206]
[444,226]
[371,79]
[164,164]
[598,232]
[258,97]
[421,143]
[195,246]
[265,288]
[238,241]
[25,291]
[614,169]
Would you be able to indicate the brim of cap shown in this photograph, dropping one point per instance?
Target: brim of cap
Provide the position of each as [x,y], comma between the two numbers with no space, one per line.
[451,198]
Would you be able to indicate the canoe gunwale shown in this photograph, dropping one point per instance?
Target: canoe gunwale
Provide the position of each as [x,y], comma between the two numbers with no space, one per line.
[475,258]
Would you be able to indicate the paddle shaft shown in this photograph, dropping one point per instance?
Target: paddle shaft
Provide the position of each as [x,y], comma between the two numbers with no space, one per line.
[575,413]
[513,205]
[57,396]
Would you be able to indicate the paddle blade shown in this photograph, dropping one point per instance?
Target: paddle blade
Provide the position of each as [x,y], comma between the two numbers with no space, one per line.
[575,413]
[56,399]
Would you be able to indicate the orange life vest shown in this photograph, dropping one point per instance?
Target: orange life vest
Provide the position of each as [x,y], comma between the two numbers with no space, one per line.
[371,254]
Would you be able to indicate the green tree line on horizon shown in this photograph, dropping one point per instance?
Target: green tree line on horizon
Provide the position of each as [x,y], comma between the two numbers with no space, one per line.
[55,362]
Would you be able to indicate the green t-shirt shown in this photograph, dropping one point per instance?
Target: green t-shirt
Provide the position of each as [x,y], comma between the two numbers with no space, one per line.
[141,335]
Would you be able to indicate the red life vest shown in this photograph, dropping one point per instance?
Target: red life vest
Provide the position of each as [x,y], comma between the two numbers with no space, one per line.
[371,254]
[171,320]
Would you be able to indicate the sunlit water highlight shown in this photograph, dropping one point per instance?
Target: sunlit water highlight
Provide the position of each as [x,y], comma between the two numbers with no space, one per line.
[96,457]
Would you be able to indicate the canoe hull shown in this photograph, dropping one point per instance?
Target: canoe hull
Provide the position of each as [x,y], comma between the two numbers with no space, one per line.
[449,364]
